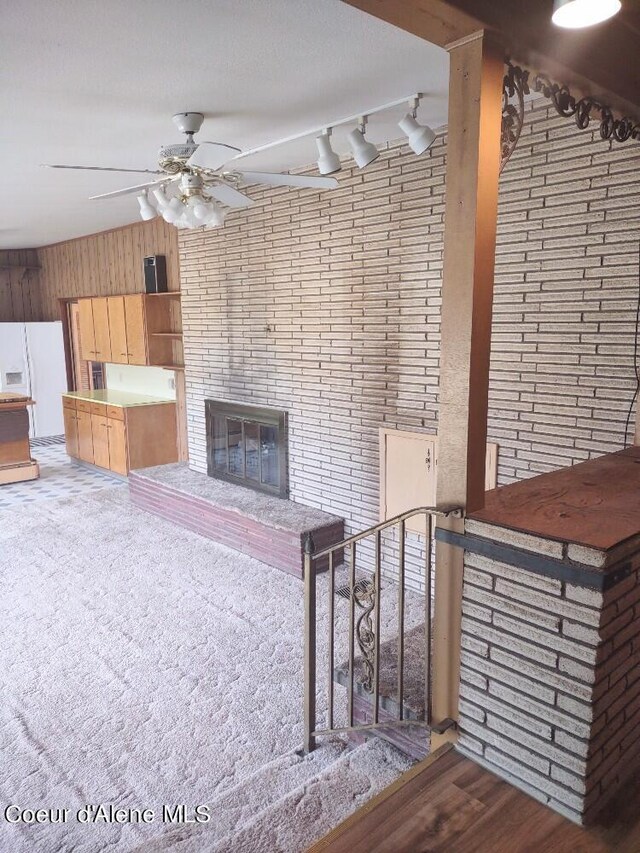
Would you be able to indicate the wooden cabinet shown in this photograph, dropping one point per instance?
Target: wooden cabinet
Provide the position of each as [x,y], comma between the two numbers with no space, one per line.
[120,438]
[134,309]
[71,431]
[85,436]
[135,329]
[85,326]
[117,330]
[118,458]
[101,329]
[100,433]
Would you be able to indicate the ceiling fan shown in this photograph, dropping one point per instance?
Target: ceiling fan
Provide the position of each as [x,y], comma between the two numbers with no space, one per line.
[196,179]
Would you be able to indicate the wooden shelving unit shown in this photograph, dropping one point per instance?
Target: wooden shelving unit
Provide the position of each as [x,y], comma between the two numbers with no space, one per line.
[164,330]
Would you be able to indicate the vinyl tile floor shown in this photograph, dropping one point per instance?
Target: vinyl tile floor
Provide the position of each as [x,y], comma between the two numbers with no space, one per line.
[60,476]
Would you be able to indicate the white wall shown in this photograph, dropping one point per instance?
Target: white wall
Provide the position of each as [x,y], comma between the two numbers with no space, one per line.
[153,381]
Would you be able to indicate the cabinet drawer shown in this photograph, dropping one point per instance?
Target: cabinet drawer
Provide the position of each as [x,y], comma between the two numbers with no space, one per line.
[83,406]
[69,403]
[115,412]
[99,409]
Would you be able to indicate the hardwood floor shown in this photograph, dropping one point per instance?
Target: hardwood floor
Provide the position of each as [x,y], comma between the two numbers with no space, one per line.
[449,804]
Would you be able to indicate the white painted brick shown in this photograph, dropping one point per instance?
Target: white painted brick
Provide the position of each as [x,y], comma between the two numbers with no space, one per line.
[515,538]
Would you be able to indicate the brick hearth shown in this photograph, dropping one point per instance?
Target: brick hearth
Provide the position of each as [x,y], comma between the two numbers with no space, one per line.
[268,528]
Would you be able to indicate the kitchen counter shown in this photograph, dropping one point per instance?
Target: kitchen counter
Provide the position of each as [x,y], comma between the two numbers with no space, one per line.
[124,399]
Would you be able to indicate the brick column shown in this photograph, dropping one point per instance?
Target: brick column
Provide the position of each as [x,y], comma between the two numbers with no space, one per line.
[550,675]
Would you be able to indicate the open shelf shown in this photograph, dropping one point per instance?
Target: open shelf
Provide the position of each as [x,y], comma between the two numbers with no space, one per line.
[170,294]
[177,335]
[170,366]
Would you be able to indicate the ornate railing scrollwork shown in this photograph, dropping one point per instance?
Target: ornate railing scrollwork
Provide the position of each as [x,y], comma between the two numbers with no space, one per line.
[365,597]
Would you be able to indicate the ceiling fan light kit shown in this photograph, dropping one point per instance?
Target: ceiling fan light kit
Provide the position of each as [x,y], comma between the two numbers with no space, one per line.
[198,182]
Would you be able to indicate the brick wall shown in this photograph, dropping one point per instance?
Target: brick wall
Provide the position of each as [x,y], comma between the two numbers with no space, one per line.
[550,683]
[327,305]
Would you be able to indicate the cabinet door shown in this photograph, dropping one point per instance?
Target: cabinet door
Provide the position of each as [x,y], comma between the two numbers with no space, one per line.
[101,329]
[85,326]
[100,440]
[85,436]
[117,330]
[135,328]
[118,446]
[71,431]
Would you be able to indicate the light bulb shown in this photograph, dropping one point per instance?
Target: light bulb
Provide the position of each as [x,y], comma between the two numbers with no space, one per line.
[202,210]
[575,14]
[161,199]
[217,217]
[146,210]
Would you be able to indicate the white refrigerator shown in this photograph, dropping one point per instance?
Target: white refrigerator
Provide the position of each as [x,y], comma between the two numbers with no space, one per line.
[32,362]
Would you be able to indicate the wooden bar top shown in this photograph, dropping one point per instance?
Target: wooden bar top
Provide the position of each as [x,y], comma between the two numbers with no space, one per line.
[9,400]
[595,503]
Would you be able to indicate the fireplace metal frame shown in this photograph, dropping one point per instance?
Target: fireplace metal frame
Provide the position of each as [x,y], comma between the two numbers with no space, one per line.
[257,415]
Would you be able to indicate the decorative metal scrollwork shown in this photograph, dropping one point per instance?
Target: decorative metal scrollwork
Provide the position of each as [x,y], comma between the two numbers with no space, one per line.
[515,86]
[364,593]
[620,129]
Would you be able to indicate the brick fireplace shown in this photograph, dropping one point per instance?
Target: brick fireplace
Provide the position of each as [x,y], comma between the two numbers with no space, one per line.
[248,446]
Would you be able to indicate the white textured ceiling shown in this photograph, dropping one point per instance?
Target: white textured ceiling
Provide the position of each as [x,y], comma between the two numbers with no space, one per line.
[95,82]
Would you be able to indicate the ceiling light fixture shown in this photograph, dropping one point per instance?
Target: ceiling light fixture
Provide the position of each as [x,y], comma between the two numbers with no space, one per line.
[363,152]
[575,14]
[420,137]
[147,211]
[328,161]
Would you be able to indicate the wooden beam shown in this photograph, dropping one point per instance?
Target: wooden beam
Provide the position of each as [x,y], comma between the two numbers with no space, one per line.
[433,20]
[596,61]
[471,210]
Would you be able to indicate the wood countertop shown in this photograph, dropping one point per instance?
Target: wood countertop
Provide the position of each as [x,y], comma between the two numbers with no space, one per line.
[595,503]
[10,400]
[117,398]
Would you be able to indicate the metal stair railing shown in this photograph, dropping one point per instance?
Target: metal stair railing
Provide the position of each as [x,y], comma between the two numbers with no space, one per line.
[366,629]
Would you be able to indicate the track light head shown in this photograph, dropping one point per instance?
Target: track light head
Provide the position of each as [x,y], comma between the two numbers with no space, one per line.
[363,152]
[575,14]
[328,161]
[420,138]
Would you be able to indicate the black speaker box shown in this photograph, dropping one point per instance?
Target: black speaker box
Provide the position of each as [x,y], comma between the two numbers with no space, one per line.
[155,274]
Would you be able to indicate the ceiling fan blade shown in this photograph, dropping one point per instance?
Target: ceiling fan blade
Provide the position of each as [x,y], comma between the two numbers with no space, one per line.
[102,169]
[128,190]
[212,155]
[229,195]
[275,179]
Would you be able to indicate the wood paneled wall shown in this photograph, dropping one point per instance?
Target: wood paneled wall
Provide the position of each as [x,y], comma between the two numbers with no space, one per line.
[20,297]
[104,264]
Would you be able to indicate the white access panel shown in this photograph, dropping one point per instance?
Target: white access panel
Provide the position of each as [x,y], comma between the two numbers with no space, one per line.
[408,467]
[47,376]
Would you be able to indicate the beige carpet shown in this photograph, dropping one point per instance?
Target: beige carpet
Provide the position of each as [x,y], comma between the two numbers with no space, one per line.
[142,665]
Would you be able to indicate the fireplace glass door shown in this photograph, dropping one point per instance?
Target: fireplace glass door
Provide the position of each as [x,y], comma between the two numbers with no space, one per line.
[248,446]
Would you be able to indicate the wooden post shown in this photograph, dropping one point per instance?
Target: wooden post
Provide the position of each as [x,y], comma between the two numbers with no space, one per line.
[471,207]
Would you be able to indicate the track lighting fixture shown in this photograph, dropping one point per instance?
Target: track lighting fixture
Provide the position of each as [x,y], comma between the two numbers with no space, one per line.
[328,161]
[575,14]
[363,152]
[420,137]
